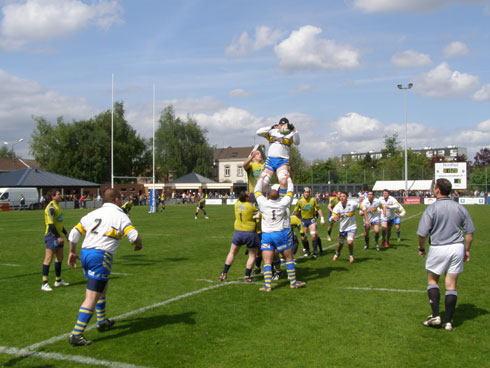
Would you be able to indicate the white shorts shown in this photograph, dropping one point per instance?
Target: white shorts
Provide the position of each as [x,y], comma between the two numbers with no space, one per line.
[445,258]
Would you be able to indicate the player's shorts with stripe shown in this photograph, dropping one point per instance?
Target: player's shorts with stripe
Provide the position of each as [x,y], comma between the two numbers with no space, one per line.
[248,238]
[397,221]
[308,222]
[274,163]
[96,263]
[280,240]
[348,234]
[51,242]
[374,222]
[388,221]
[445,258]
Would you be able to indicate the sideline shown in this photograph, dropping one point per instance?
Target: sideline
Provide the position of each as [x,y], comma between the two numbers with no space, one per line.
[384,289]
[64,357]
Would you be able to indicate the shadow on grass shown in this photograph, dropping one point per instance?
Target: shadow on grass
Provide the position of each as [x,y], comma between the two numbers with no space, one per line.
[12,362]
[466,312]
[135,325]
[138,260]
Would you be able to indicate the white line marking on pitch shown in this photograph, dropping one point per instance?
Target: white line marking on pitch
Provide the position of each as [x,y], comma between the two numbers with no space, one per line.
[63,357]
[121,273]
[9,265]
[132,313]
[384,289]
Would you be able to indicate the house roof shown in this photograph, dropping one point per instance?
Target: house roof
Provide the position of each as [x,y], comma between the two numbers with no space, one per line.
[232,153]
[39,178]
[192,178]
[9,164]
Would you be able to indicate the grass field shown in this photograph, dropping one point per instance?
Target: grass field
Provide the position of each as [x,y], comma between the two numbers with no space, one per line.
[171,312]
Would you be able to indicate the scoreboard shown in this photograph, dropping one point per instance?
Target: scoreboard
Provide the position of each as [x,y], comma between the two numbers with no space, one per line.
[455,172]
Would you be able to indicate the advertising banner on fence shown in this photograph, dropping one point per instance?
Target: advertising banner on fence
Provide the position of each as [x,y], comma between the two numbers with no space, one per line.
[477,200]
[429,200]
[214,201]
[412,200]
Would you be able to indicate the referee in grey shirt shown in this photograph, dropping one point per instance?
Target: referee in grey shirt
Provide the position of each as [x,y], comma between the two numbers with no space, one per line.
[444,221]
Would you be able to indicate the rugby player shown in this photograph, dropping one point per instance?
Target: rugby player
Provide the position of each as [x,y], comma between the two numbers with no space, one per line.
[451,229]
[53,217]
[274,234]
[332,202]
[345,213]
[389,205]
[369,210]
[201,206]
[400,212]
[103,230]
[244,234]
[306,208]
[278,153]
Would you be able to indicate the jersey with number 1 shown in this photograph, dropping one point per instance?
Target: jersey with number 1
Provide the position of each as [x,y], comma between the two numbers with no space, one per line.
[104,228]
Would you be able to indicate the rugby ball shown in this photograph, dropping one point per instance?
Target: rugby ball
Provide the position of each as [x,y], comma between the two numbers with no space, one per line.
[285,130]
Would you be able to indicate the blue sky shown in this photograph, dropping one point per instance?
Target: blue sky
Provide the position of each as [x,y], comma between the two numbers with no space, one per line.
[331,67]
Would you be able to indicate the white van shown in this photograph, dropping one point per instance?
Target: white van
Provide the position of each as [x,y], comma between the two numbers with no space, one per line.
[12,196]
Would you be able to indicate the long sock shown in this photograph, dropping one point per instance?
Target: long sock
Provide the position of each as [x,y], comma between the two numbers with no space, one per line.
[282,192]
[226,268]
[434,297]
[277,265]
[291,270]
[319,242]
[248,272]
[306,245]
[100,310]
[84,316]
[450,303]
[398,234]
[45,273]
[314,245]
[267,275]
[376,238]
[57,270]
[366,239]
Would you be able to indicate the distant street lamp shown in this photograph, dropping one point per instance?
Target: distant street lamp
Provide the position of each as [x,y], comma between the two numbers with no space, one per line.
[410,85]
[13,145]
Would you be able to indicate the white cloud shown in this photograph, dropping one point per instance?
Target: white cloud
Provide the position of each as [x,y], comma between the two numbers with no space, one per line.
[245,45]
[41,20]
[402,6]
[353,126]
[304,50]
[239,92]
[21,99]
[411,58]
[455,49]
[484,126]
[483,94]
[300,89]
[441,82]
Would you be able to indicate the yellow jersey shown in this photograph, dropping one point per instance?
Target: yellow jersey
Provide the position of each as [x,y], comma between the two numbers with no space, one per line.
[333,201]
[254,170]
[296,222]
[244,216]
[308,207]
[53,215]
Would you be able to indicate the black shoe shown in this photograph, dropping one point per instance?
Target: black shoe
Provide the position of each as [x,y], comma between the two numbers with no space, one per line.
[314,256]
[104,326]
[257,271]
[78,340]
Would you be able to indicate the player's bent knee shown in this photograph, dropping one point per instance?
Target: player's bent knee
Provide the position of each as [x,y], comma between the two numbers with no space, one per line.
[267,178]
[282,175]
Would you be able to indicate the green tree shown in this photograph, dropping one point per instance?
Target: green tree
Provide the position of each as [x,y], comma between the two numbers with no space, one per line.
[5,153]
[82,149]
[181,146]
[300,172]
[392,146]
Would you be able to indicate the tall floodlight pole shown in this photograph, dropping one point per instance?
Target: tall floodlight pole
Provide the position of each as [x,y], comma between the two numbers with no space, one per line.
[154,198]
[112,134]
[410,85]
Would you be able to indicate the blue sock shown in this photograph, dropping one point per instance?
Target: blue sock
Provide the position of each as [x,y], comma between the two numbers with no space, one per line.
[45,273]
[100,310]
[282,192]
[267,275]
[291,269]
[84,316]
